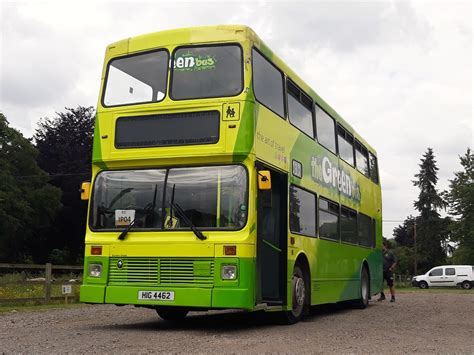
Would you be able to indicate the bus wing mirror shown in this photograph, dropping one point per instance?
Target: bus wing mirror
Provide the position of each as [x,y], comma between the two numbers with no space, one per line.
[264,180]
[85,191]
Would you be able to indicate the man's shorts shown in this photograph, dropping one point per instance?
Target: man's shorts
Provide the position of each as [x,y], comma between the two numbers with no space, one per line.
[387,275]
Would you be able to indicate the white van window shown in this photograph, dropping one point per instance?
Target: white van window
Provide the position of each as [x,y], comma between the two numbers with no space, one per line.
[436,272]
[450,271]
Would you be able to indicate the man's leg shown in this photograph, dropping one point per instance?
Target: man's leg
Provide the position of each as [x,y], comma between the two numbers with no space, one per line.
[382,295]
[390,285]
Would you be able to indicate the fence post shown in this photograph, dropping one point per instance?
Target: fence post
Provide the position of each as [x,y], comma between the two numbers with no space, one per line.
[47,282]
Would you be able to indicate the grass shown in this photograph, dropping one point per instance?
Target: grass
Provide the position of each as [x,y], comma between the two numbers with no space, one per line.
[16,286]
[434,290]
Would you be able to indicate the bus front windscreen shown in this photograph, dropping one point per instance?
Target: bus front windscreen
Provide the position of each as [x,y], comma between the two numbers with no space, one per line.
[211,197]
[206,71]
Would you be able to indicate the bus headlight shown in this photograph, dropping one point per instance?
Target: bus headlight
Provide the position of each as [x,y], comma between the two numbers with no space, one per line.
[229,272]
[95,270]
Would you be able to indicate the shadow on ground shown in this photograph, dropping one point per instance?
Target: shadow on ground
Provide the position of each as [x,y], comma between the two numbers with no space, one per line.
[224,321]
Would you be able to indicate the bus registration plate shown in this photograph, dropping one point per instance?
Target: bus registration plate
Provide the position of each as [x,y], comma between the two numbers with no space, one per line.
[156,295]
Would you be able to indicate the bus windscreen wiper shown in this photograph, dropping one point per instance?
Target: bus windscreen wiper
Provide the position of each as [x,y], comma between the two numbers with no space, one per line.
[185,218]
[149,207]
[174,206]
[126,230]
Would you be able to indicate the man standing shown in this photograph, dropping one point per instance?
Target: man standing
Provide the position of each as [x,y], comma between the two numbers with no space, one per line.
[389,263]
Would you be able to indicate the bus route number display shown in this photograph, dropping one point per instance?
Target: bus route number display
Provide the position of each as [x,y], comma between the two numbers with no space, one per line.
[123,218]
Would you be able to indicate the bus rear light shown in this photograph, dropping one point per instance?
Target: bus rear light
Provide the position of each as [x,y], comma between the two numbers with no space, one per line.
[96,250]
[230,250]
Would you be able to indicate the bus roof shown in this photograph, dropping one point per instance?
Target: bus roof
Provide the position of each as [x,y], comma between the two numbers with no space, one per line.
[221,33]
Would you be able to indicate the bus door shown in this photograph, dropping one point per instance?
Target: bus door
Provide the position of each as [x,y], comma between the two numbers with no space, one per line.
[272,239]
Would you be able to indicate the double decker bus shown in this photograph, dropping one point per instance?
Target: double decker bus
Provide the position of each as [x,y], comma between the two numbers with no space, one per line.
[221,180]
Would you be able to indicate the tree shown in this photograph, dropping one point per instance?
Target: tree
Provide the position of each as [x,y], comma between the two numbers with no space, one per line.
[432,230]
[28,204]
[404,234]
[405,260]
[429,200]
[461,205]
[65,151]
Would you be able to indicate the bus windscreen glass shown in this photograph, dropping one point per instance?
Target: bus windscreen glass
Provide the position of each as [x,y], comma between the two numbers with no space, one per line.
[213,197]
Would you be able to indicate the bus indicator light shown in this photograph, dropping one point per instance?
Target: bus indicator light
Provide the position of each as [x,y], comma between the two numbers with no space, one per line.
[96,250]
[230,250]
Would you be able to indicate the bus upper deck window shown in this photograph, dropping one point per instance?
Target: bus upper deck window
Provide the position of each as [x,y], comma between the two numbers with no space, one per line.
[206,71]
[136,79]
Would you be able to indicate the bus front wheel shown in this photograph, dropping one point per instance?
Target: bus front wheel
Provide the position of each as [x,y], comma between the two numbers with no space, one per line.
[172,313]
[299,295]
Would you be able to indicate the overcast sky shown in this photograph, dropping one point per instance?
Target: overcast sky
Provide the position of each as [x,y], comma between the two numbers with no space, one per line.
[399,71]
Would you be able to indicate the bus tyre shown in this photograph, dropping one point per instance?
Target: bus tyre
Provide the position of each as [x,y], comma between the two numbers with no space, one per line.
[423,285]
[172,313]
[299,296]
[363,301]
[466,285]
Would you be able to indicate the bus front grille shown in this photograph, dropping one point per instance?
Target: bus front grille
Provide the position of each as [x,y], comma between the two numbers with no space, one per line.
[191,272]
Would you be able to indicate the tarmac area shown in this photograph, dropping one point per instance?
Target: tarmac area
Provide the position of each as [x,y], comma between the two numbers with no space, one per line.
[418,322]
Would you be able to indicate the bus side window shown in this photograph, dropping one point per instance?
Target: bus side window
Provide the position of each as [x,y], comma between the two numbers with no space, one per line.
[268,84]
[348,225]
[300,111]
[346,145]
[366,230]
[302,212]
[362,158]
[325,128]
[328,220]
[373,168]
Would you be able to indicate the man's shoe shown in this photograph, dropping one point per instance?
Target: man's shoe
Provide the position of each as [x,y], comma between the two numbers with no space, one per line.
[381,298]
[392,299]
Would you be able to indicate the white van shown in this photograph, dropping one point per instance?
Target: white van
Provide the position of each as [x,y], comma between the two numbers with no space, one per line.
[446,275]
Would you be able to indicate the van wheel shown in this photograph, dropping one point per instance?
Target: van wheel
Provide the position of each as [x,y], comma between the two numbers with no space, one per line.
[172,313]
[423,284]
[299,295]
[363,301]
[466,285]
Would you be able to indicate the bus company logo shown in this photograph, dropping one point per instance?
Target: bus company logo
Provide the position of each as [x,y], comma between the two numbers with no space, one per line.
[190,62]
[323,171]
[119,264]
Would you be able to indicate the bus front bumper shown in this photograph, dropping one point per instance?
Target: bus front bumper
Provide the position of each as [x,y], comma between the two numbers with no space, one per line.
[217,297]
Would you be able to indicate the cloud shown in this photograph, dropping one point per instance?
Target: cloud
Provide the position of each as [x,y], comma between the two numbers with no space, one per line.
[399,71]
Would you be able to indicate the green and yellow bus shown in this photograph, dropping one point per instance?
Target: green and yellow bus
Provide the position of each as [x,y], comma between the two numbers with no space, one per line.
[222,180]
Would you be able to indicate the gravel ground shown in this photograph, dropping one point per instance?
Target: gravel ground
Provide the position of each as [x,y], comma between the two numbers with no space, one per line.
[418,322]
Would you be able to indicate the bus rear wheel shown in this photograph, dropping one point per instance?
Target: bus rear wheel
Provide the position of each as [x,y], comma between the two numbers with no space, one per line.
[299,297]
[172,313]
[363,301]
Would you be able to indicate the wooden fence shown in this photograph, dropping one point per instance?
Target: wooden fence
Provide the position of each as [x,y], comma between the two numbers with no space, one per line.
[20,284]
[48,281]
